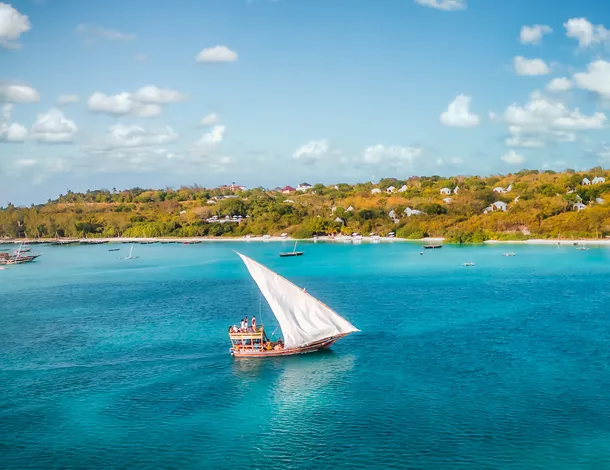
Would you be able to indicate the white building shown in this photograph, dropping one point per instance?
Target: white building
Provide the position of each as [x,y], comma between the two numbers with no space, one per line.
[349,209]
[304,187]
[446,191]
[579,206]
[390,190]
[500,206]
[586,181]
[598,180]
[455,191]
[403,188]
[375,191]
[447,200]
[499,190]
[599,200]
[411,212]
[392,214]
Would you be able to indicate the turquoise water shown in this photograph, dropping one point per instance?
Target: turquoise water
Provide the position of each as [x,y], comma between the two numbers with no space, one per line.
[106,363]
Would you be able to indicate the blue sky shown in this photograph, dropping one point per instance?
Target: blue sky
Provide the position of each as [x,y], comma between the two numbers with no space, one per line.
[104,94]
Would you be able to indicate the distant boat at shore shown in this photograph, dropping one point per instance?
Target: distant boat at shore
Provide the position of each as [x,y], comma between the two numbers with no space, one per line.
[130,254]
[433,246]
[294,252]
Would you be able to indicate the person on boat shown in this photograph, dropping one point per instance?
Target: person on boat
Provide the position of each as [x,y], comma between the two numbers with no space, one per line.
[246,324]
[254,324]
[234,329]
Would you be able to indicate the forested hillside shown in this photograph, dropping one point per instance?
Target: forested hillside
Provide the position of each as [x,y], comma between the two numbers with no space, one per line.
[527,204]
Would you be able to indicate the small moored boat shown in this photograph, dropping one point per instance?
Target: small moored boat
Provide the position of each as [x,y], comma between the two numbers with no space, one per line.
[468,264]
[509,254]
[294,252]
[307,324]
[432,246]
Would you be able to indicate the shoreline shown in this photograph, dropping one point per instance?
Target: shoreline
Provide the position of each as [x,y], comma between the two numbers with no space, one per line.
[327,239]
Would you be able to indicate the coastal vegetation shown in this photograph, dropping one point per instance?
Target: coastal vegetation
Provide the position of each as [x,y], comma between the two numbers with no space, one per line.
[463,209]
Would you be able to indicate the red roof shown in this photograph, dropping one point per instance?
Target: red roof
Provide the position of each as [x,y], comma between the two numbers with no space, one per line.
[288,188]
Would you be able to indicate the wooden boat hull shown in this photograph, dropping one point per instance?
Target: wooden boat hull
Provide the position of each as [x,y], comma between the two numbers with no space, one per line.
[316,346]
[432,247]
[292,253]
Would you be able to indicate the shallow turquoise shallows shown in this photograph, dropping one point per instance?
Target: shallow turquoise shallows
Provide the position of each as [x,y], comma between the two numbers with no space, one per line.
[108,363]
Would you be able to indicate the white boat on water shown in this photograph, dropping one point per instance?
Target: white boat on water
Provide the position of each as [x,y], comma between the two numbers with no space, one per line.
[468,264]
[509,254]
[130,254]
[307,324]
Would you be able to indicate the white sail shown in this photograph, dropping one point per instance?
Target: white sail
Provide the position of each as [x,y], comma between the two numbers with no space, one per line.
[303,318]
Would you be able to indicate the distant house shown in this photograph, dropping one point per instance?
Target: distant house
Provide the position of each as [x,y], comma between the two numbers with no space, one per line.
[499,205]
[517,198]
[446,191]
[390,190]
[392,214]
[586,181]
[375,191]
[349,209]
[599,200]
[335,187]
[411,212]
[455,191]
[509,189]
[333,209]
[339,220]
[403,188]
[598,180]
[211,201]
[579,206]
[232,187]
[496,206]
[288,189]
[304,187]
[289,201]
[499,190]
[447,200]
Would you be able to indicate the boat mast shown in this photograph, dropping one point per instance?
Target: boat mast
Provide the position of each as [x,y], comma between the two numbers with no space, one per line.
[294,250]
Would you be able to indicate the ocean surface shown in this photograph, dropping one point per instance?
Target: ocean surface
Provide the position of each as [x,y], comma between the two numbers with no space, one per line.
[108,363]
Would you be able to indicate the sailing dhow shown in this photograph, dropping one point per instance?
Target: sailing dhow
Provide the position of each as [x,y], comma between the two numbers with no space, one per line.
[307,324]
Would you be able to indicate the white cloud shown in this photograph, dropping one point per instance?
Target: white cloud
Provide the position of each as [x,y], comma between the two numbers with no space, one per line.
[392,154]
[560,84]
[18,94]
[212,138]
[513,158]
[147,110]
[458,114]
[209,120]
[313,150]
[52,127]
[586,33]
[542,119]
[110,104]
[144,103]
[533,34]
[447,5]
[596,78]
[530,67]
[216,54]
[121,136]
[12,25]
[11,132]
[155,95]
[67,99]
[92,33]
